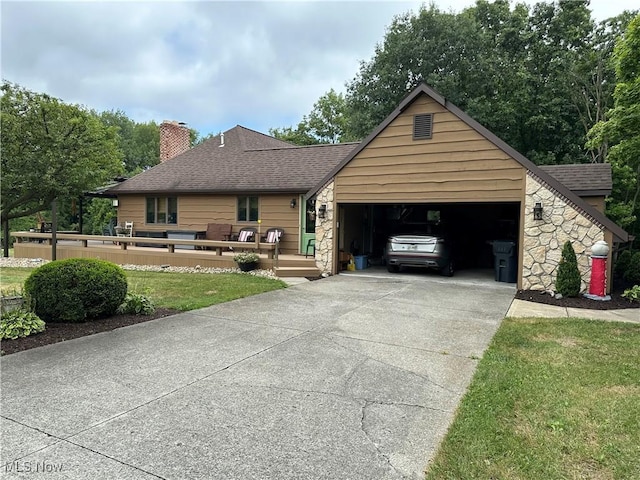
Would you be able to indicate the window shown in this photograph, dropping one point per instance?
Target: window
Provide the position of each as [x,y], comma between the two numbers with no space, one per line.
[423,126]
[248,209]
[162,210]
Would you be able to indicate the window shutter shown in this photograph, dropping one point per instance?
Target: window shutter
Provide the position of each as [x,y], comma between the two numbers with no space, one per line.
[422,126]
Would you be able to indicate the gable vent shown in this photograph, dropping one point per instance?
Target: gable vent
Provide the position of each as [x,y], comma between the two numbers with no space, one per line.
[422,126]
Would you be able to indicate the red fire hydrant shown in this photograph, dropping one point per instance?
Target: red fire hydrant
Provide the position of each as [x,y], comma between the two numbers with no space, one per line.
[598,283]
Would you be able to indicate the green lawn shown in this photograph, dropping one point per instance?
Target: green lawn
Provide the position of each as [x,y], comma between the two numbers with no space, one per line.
[12,279]
[182,291]
[551,399]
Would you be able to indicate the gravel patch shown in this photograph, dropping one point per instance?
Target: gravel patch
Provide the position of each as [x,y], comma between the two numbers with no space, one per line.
[36,262]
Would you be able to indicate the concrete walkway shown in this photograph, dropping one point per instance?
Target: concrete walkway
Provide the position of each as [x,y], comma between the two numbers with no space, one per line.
[522,308]
[347,377]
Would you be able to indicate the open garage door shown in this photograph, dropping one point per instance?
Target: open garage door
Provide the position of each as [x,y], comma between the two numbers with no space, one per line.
[469,229]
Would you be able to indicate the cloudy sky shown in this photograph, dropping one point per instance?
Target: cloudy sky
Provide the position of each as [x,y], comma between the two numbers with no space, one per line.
[210,64]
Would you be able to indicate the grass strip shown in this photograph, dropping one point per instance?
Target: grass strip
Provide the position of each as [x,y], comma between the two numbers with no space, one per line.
[552,399]
[180,291]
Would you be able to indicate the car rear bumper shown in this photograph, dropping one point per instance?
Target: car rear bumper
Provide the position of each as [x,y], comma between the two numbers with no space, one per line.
[412,260]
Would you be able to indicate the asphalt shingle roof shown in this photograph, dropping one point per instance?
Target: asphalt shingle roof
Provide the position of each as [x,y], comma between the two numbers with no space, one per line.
[583,179]
[249,161]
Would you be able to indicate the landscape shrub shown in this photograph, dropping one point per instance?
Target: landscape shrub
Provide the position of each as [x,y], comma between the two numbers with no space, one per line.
[632,271]
[632,294]
[568,279]
[19,323]
[76,289]
[622,262]
[136,304]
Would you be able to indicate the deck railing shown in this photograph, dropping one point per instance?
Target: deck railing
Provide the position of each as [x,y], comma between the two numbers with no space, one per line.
[170,244]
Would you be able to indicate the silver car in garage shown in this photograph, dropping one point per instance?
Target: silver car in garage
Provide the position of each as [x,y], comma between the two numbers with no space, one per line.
[418,250]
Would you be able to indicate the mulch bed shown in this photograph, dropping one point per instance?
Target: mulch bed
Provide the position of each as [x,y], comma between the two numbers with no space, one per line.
[616,302]
[59,332]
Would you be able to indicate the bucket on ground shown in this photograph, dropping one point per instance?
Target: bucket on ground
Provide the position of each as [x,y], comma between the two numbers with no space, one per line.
[361,262]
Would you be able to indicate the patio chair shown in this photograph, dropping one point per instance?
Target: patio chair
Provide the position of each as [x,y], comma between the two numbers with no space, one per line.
[126,231]
[311,243]
[218,231]
[108,231]
[272,235]
[128,228]
[246,234]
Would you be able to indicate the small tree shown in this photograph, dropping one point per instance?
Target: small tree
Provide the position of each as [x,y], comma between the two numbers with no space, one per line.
[568,279]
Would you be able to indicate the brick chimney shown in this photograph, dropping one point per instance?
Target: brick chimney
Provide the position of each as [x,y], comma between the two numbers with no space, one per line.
[174,139]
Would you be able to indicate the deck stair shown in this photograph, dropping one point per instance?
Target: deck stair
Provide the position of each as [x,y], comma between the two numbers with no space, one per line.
[311,271]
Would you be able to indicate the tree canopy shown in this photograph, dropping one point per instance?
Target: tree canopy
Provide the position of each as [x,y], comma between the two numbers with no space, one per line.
[50,149]
[138,142]
[327,123]
[620,131]
[527,75]
[538,77]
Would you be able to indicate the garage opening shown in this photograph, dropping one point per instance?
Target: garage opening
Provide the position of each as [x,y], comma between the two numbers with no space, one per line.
[468,229]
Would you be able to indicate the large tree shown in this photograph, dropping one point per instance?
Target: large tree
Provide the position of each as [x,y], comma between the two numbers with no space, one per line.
[49,150]
[537,77]
[139,142]
[327,123]
[621,131]
[593,77]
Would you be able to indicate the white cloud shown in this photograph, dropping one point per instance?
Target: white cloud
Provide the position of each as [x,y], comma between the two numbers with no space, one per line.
[210,64]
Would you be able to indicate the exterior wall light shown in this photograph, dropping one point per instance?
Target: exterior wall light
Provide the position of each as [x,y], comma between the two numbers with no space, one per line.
[322,211]
[293,203]
[537,211]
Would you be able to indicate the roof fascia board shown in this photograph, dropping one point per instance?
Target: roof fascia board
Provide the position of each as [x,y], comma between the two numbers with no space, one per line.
[212,192]
[592,193]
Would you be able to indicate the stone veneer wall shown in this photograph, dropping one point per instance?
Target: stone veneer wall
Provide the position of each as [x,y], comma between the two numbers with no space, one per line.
[544,239]
[324,230]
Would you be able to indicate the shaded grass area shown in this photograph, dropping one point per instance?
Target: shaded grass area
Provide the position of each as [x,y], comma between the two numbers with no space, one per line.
[188,291]
[178,291]
[552,399]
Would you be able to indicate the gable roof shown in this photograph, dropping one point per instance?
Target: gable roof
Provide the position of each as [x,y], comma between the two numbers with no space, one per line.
[249,162]
[546,177]
[584,179]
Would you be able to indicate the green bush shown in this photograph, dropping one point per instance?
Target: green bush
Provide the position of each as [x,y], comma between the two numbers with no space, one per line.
[632,272]
[19,323]
[246,257]
[76,289]
[568,279]
[622,262]
[632,294]
[136,304]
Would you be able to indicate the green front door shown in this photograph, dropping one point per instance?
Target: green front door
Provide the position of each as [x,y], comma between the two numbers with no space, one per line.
[308,226]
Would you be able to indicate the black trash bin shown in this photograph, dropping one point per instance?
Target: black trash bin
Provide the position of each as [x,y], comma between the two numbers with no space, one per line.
[506,261]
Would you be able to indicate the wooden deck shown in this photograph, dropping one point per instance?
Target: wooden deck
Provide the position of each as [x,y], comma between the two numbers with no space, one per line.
[124,250]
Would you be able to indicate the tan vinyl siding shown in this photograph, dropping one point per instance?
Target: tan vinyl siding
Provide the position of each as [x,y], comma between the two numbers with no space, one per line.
[132,208]
[196,211]
[596,202]
[456,165]
[275,211]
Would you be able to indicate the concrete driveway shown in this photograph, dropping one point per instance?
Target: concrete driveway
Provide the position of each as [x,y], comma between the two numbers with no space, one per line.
[349,377]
